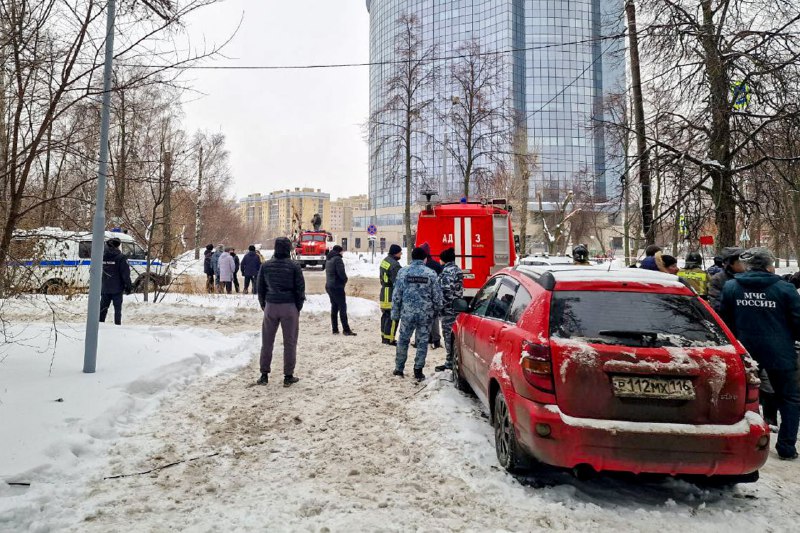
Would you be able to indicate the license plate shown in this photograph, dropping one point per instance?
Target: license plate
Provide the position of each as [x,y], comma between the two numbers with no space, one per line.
[642,387]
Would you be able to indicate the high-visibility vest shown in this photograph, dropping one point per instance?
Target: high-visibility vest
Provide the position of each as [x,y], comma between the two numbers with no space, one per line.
[698,279]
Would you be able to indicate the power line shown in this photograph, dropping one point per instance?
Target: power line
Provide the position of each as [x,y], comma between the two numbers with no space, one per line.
[377,63]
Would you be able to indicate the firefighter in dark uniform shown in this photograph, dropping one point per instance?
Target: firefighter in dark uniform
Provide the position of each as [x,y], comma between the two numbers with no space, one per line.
[116,280]
[389,269]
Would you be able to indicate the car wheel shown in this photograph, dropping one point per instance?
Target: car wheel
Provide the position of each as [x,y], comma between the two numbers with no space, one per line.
[458,378]
[54,287]
[509,454]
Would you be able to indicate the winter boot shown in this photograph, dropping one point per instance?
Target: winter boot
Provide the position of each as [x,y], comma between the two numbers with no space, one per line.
[418,375]
[349,333]
[264,379]
[288,381]
[398,373]
[442,368]
[436,345]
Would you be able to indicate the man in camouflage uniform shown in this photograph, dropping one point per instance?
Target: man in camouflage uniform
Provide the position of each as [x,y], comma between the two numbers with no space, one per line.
[389,269]
[417,298]
[452,282]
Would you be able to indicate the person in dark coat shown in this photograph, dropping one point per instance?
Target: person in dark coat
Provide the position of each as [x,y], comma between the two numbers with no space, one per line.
[116,280]
[208,269]
[433,264]
[649,261]
[717,267]
[390,266]
[235,270]
[251,263]
[281,294]
[732,266]
[335,283]
[763,312]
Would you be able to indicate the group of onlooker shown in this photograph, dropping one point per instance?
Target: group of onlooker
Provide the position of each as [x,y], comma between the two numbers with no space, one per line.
[222,267]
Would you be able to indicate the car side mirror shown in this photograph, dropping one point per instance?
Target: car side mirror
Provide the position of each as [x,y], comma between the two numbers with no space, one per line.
[460,305]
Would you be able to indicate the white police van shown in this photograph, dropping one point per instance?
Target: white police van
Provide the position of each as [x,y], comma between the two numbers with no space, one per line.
[53,260]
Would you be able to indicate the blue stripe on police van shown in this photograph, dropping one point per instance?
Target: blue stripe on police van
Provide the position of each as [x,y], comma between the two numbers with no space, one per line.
[85,262]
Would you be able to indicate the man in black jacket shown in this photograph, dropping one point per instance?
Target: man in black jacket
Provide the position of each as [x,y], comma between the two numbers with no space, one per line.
[235,270]
[763,311]
[335,283]
[731,266]
[251,263]
[208,268]
[281,293]
[116,280]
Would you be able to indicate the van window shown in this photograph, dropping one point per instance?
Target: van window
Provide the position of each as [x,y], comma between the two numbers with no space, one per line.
[85,249]
[634,319]
[133,251]
[503,300]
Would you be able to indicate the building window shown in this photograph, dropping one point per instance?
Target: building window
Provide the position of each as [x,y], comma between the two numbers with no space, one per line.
[358,243]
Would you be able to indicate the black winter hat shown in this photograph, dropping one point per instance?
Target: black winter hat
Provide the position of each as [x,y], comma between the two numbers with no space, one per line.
[448,256]
[337,249]
[418,254]
[283,248]
[251,248]
[731,254]
[395,249]
[209,246]
[693,260]
[580,253]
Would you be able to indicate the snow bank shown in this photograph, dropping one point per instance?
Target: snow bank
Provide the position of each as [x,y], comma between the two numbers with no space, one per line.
[173,304]
[78,415]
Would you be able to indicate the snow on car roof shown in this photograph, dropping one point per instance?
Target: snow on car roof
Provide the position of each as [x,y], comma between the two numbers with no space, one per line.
[571,273]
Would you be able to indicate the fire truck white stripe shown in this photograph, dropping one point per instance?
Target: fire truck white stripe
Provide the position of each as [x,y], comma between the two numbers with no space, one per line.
[468,243]
[457,238]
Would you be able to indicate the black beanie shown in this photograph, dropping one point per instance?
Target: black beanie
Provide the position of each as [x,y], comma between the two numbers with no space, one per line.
[251,248]
[448,256]
[395,249]
[283,248]
[418,254]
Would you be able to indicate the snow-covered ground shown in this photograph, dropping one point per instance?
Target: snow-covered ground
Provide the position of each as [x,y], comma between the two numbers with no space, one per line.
[347,448]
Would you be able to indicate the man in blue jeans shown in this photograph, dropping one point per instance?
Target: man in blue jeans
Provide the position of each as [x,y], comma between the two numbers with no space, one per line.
[116,280]
[763,311]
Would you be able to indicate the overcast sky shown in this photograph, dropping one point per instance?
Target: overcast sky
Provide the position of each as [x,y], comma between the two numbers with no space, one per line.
[284,128]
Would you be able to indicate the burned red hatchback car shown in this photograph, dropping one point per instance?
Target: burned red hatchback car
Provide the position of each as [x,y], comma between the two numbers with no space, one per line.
[616,371]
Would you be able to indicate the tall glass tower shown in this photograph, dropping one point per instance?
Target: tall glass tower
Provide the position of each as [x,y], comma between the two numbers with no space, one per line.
[563,59]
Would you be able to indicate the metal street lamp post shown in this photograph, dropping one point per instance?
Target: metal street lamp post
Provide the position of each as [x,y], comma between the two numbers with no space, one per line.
[99,223]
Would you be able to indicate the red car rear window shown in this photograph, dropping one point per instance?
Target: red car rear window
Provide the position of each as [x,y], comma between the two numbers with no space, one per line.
[634,319]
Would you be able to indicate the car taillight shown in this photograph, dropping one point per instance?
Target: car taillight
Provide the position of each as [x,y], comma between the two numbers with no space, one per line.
[753,381]
[537,366]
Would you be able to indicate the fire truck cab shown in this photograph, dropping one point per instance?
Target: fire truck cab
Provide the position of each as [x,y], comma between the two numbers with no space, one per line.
[312,248]
[480,232]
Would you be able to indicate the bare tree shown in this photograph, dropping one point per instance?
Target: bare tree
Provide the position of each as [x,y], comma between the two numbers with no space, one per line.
[730,67]
[399,126]
[479,115]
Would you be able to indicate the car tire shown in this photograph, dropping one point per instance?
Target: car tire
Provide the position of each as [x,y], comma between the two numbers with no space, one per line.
[458,378]
[54,287]
[509,454]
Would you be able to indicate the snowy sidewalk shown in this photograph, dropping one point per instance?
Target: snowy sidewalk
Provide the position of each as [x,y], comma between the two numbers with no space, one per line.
[351,448]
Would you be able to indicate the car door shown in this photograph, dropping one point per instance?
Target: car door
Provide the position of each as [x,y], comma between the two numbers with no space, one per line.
[471,323]
[494,322]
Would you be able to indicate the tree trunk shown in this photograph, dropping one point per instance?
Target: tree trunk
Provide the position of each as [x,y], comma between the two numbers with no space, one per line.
[166,254]
[641,134]
[198,205]
[121,176]
[523,172]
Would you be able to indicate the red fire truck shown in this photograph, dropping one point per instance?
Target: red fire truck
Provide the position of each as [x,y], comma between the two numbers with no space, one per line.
[480,232]
[311,248]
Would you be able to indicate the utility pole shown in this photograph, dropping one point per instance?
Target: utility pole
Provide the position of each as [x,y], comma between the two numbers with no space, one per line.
[166,254]
[99,223]
[642,150]
[198,204]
